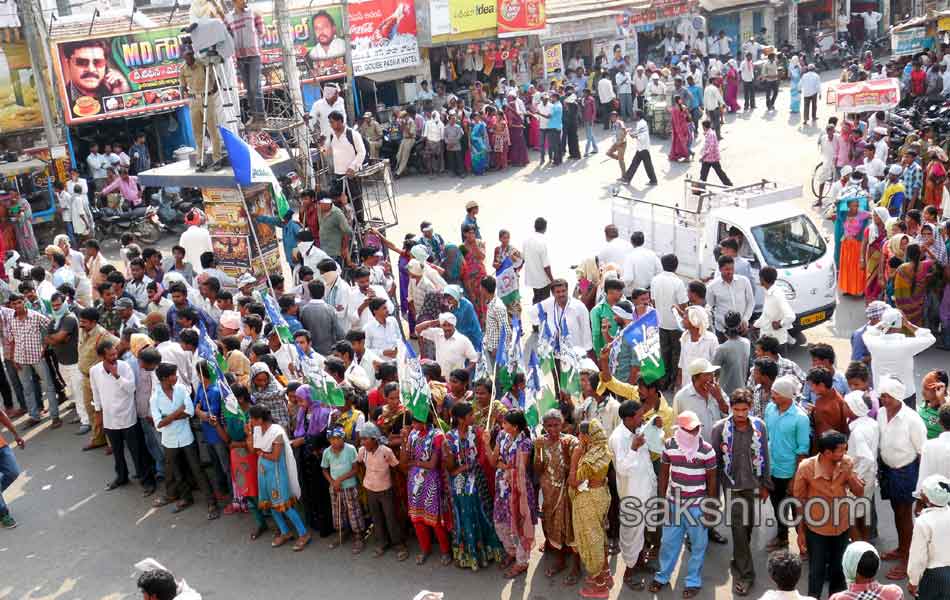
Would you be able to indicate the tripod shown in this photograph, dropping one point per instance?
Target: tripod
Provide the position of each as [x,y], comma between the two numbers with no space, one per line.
[222,72]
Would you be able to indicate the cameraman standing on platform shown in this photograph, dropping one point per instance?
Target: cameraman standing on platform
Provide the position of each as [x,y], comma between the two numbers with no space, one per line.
[194,78]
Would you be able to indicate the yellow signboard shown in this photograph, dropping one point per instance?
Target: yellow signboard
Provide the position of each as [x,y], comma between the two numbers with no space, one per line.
[19,106]
[943,24]
[471,15]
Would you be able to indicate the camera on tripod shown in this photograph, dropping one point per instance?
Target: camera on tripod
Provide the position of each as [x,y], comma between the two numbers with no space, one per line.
[210,40]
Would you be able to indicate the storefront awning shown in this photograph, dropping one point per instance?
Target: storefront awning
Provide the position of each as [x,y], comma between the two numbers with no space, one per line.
[559,10]
[922,20]
[712,6]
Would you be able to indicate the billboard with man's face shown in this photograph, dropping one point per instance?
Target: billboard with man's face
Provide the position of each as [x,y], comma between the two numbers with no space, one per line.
[119,75]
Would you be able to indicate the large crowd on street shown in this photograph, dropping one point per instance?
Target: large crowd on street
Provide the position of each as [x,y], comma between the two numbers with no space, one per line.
[394,396]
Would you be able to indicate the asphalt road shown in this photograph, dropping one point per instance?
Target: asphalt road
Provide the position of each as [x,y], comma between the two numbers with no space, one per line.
[76,541]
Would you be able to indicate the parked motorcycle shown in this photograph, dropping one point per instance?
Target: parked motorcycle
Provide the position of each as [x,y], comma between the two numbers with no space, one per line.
[140,222]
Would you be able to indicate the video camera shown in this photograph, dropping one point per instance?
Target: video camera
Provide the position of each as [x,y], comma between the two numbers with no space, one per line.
[210,40]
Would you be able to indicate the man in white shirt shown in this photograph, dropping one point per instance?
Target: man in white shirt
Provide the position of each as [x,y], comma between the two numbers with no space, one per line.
[605,97]
[747,73]
[810,86]
[640,131]
[615,250]
[753,47]
[452,349]
[625,91]
[196,240]
[434,132]
[863,442]
[669,293]
[321,109]
[640,82]
[777,315]
[713,103]
[173,353]
[871,19]
[568,320]
[97,164]
[729,292]
[537,264]
[359,298]
[892,352]
[724,46]
[345,145]
[880,143]
[113,397]
[635,477]
[382,331]
[640,265]
[903,434]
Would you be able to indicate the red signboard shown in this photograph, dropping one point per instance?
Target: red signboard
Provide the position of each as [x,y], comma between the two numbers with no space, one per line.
[383,34]
[518,17]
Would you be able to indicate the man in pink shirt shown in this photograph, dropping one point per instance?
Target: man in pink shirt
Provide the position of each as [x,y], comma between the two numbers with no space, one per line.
[710,156]
[127,185]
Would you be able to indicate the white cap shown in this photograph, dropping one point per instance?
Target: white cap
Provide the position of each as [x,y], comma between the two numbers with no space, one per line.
[891,386]
[700,366]
[447,317]
[895,169]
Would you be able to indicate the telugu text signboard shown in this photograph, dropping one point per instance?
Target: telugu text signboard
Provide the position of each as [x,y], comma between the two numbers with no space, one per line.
[383,34]
[119,75]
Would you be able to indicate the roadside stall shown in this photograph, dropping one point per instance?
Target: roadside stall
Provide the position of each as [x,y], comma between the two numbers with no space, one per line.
[31,177]
[919,34]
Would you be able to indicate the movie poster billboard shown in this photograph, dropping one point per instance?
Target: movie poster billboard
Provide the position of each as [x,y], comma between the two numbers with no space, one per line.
[232,241]
[120,75]
[520,17]
[383,33]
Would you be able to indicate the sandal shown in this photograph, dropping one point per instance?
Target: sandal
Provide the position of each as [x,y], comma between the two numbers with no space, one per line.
[446,560]
[182,505]
[506,562]
[378,552]
[898,573]
[258,532]
[213,512]
[421,559]
[279,540]
[302,543]
[515,570]
[741,588]
[656,587]
[402,554]
[162,501]
[691,592]
[891,555]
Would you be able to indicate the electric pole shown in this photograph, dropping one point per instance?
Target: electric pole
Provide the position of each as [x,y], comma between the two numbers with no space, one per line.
[38,59]
[292,81]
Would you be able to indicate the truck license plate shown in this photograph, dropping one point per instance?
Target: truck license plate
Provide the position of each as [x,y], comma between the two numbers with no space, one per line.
[813,318]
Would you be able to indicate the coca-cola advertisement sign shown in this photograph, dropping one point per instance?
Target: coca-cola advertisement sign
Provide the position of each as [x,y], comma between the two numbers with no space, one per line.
[518,17]
[383,34]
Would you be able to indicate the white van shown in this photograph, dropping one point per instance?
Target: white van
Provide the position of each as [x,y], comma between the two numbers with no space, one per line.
[776,233]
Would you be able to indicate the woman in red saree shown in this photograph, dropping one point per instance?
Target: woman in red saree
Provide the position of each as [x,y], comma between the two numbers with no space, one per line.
[518,150]
[910,285]
[851,278]
[935,177]
[679,127]
[875,236]
[473,271]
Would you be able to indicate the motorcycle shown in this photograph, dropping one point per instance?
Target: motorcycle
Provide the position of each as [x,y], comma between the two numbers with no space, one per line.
[829,51]
[140,222]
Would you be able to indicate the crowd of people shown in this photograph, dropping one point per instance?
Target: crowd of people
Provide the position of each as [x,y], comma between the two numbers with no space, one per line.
[295,392]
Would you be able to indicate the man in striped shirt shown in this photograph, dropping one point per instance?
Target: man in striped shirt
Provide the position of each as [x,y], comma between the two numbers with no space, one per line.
[687,476]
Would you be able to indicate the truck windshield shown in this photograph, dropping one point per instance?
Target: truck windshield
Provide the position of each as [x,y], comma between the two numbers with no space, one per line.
[789,243]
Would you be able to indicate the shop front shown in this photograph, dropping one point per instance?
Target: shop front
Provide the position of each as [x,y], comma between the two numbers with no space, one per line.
[740,20]
[577,40]
[645,28]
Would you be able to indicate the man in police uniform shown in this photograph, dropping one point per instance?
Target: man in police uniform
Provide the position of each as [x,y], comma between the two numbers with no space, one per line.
[193,82]
[372,133]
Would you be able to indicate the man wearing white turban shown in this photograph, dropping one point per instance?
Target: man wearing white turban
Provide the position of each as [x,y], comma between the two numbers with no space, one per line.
[893,351]
[862,447]
[697,341]
[860,564]
[903,434]
[452,349]
[928,568]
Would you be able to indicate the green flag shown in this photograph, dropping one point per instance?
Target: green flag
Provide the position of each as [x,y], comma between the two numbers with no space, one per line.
[332,394]
[417,402]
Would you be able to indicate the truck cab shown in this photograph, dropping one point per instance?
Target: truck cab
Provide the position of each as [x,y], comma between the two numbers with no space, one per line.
[774,232]
[784,237]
